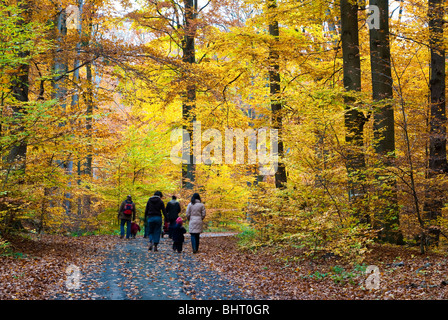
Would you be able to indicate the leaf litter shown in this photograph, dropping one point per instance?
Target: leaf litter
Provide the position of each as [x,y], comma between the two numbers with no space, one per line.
[115,269]
[286,273]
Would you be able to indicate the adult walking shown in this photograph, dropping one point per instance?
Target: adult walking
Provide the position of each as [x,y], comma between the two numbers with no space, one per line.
[195,215]
[172,211]
[126,213]
[153,215]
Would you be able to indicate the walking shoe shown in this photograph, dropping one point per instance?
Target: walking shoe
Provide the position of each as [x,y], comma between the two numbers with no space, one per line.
[150,246]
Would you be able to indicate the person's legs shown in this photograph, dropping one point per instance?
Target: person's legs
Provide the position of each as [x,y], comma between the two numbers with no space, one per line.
[155,228]
[123,221]
[179,246]
[157,231]
[197,235]
[150,232]
[170,228]
[128,229]
[146,227]
[195,242]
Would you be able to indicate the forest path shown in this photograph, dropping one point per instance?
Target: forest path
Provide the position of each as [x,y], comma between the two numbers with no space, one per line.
[131,272]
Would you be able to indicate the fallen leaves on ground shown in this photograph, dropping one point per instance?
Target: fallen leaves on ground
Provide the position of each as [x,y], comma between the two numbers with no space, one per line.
[37,270]
[285,274]
[35,267]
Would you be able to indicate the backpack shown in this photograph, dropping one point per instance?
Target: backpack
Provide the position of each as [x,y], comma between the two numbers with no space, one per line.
[128,209]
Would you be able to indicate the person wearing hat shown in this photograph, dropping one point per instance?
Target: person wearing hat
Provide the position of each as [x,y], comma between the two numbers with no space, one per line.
[178,235]
[153,216]
[126,213]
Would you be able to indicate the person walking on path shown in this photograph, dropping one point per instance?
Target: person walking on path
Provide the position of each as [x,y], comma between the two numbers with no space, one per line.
[178,232]
[195,215]
[153,215]
[126,213]
[135,228]
[172,211]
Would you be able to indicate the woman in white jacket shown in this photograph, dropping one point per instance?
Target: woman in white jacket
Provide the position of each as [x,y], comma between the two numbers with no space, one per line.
[195,215]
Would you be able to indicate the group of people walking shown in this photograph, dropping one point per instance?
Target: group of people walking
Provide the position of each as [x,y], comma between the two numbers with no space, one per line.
[154,211]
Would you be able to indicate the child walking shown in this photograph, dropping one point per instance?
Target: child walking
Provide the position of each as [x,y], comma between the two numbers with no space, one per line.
[135,228]
[178,235]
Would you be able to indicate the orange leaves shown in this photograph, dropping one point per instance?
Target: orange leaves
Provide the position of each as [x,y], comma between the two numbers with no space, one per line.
[36,269]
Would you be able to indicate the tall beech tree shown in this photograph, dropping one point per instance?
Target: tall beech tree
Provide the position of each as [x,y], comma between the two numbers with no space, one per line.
[437,120]
[274,88]
[60,69]
[188,106]
[354,118]
[383,121]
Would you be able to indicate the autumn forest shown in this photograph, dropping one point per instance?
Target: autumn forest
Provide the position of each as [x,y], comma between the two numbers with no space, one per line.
[103,99]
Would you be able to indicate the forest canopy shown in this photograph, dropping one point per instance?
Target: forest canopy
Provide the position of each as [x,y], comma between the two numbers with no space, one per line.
[315,124]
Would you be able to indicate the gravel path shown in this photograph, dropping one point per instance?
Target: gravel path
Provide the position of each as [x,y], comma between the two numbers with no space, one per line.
[130,272]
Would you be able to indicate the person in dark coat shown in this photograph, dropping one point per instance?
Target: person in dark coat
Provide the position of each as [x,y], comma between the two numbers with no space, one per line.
[172,211]
[178,235]
[126,213]
[153,215]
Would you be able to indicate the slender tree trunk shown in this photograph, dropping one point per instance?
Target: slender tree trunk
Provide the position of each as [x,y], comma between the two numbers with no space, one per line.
[89,98]
[75,102]
[274,86]
[88,171]
[60,64]
[383,126]
[89,121]
[354,119]
[60,68]
[437,121]
[188,169]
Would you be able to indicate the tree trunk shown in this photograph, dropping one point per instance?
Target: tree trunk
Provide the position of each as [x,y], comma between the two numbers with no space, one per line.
[383,126]
[437,123]
[274,86]
[188,117]
[87,170]
[354,119]
[89,121]
[60,64]
[60,91]
[89,127]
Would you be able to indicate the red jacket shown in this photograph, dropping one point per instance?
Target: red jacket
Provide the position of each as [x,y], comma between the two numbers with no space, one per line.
[134,227]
